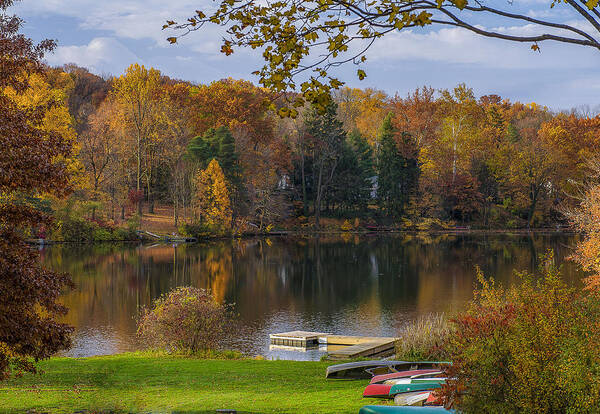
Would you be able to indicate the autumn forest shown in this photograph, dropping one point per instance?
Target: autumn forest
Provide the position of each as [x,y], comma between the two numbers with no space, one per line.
[272,244]
[226,157]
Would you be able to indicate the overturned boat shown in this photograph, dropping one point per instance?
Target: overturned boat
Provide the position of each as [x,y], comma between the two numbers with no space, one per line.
[369,369]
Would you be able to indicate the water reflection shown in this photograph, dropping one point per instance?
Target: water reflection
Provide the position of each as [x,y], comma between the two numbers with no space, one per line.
[355,286]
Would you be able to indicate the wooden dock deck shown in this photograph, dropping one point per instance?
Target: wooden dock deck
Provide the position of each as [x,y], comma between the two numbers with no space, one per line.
[300,339]
[344,346]
[360,346]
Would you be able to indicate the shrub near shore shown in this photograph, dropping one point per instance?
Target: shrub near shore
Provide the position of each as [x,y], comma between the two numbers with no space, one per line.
[532,348]
[186,320]
[425,338]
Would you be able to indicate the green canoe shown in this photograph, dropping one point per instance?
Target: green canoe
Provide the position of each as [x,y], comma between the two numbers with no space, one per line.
[393,409]
[416,386]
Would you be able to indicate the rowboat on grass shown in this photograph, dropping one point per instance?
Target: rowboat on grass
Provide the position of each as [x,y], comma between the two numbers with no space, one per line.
[391,409]
[368,369]
[382,388]
[416,385]
[407,398]
[380,379]
[378,391]
[418,398]
[357,369]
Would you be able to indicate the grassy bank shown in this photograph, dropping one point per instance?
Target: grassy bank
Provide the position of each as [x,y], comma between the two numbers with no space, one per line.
[140,383]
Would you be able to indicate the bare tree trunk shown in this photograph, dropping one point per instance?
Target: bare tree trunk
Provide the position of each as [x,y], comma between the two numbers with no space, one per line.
[149,184]
[535,190]
[318,198]
[139,170]
[304,200]
[175,212]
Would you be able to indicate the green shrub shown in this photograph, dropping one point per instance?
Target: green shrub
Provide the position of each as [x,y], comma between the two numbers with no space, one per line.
[102,234]
[186,320]
[124,234]
[75,229]
[424,339]
[133,224]
[195,230]
[529,349]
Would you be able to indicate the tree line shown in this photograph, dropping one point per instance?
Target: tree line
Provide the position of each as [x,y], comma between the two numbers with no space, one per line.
[445,156]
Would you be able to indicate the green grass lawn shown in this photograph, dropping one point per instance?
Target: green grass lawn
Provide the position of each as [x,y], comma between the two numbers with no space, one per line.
[140,383]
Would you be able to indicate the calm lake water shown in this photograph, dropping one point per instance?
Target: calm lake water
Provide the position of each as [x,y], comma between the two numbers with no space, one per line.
[368,285]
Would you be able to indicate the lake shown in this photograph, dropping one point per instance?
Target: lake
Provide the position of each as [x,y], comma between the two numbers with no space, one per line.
[351,285]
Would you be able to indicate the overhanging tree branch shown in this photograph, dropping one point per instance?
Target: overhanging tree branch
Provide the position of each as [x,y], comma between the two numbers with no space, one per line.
[290,32]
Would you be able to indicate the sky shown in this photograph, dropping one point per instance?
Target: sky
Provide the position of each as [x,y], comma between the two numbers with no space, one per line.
[106,36]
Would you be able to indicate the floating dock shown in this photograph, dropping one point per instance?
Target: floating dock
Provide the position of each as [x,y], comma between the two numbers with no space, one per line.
[339,346]
[298,339]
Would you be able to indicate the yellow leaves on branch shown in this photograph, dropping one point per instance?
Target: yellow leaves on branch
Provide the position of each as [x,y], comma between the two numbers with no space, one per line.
[591,4]
[212,200]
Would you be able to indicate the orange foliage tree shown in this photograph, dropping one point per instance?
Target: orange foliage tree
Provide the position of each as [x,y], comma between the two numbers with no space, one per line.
[586,219]
[363,110]
[236,104]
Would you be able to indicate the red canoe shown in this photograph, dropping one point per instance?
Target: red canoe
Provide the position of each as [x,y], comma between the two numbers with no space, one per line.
[379,379]
[377,391]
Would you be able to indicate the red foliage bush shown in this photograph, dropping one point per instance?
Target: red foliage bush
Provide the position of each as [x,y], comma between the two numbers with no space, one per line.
[135,196]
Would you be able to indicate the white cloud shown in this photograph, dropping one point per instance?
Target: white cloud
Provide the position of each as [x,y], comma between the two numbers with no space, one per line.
[459,46]
[132,19]
[101,55]
[435,55]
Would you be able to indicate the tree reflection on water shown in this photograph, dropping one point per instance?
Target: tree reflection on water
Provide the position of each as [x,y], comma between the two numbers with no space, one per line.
[348,285]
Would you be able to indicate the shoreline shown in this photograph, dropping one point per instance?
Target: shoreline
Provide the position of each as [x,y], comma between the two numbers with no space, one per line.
[296,233]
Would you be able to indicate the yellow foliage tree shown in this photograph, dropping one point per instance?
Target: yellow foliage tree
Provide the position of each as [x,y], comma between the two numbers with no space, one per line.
[138,93]
[51,90]
[212,201]
[363,110]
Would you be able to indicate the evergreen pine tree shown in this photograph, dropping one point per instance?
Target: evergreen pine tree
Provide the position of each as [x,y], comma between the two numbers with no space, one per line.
[216,144]
[199,150]
[397,174]
[364,154]
[346,183]
[226,155]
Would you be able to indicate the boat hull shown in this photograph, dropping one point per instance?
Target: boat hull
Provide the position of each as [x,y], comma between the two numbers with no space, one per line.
[390,409]
[368,369]
[377,391]
[379,379]
[413,387]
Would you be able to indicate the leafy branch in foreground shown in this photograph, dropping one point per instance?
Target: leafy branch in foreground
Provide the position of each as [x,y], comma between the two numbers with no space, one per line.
[336,32]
